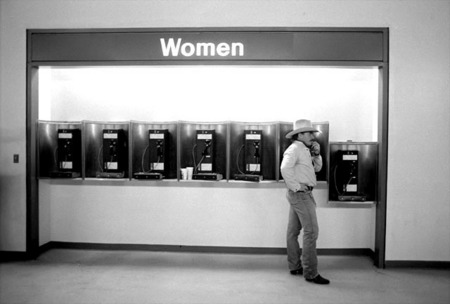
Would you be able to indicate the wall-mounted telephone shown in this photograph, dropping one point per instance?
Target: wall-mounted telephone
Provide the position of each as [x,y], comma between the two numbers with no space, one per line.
[252,156]
[157,155]
[345,176]
[114,162]
[203,156]
[353,171]
[68,153]
[253,140]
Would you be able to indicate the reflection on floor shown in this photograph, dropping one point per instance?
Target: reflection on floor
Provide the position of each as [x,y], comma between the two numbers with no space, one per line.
[96,276]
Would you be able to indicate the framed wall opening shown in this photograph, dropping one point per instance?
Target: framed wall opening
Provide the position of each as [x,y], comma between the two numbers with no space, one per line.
[45,76]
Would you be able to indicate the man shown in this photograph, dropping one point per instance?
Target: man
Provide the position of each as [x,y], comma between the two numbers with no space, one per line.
[301,161]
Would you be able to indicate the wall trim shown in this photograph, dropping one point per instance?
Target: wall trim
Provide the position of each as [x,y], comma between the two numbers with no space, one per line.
[199,249]
[418,264]
[8,256]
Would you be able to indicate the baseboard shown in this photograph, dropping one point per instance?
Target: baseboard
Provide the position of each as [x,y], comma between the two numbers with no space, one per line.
[8,256]
[166,248]
[199,249]
[46,247]
[346,251]
[418,264]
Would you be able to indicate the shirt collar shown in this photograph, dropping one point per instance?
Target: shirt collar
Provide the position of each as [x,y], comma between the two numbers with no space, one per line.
[301,144]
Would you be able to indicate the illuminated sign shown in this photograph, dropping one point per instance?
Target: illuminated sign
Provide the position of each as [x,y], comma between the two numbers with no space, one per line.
[207,45]
[188,49]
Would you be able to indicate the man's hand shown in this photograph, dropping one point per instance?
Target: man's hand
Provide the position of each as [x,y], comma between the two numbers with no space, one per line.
[315,148]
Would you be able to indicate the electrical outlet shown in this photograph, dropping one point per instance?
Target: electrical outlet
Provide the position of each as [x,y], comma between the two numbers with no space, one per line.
[16,158]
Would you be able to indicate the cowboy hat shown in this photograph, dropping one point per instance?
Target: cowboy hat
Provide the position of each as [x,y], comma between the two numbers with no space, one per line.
[300,126]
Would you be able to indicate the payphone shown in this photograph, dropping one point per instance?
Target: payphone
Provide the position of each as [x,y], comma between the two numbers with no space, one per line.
[68,156]
[252,157]
[157,155]
[353,172]
[345,176]
[204,165]
[114,161]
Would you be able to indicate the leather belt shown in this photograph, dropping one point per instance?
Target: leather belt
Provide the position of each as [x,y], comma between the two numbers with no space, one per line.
[308,189]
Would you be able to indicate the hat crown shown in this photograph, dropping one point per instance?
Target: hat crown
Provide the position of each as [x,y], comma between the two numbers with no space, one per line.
[302,123]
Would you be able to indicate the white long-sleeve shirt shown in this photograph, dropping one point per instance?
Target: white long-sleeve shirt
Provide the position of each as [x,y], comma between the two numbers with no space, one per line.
[299,167]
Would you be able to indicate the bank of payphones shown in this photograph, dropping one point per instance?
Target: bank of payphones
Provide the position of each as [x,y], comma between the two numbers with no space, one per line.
[113,159]
[68,155]
[252,157]
[204,155]
[157,154]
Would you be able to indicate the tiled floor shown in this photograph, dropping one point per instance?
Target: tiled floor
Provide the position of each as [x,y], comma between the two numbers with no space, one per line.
[95,276]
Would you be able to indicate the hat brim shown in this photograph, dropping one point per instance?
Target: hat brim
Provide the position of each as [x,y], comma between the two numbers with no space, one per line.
[300,130]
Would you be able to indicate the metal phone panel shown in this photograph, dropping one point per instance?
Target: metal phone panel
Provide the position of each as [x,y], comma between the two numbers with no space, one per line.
[238,165]
[140,142]
[365,155]
[189,152]
[93,142]
[48,147]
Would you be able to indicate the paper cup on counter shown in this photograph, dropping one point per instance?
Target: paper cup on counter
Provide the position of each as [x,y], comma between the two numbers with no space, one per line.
[190,171]
[184,175]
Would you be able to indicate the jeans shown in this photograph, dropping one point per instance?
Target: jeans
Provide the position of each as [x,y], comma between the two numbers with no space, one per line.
[302,215]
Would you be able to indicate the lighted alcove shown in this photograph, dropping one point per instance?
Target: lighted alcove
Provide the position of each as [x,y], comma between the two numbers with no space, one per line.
[345,97]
